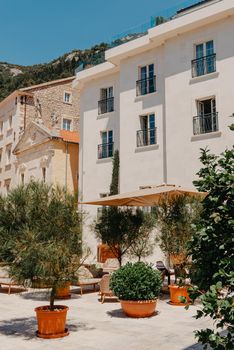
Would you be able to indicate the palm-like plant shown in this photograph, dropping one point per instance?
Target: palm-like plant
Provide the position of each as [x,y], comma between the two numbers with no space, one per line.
[40,234]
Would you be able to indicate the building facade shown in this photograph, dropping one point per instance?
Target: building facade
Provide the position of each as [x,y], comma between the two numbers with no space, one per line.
[158,99]
[53,105]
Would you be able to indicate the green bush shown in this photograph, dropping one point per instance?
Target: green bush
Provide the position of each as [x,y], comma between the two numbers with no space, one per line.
[137,281]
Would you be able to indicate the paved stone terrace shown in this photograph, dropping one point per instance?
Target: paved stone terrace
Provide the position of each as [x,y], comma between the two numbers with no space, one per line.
[96,326]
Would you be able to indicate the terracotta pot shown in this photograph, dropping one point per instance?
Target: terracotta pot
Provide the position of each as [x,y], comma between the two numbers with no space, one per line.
[51,324]
[39,283]
[137,309]
[178,259]
[63,292]
[176,292]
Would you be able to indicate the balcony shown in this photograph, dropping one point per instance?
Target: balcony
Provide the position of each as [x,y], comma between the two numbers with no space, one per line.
[105,150]
[146,86]
[204,65]
[205,124]
[146,137]
[106,105]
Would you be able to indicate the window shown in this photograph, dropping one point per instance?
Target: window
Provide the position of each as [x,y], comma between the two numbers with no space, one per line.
[1,127]
[0,156]
[147,135]
[10,122]
[67,124]
[147,80]
[105,149]
[44,174]
[67,97]
[8,155]
[106,103]
[206,120]
[22,178]
[205,59]
[102,208]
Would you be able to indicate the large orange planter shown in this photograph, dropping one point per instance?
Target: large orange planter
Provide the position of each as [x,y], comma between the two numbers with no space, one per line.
[63,292]
[138,309]
[51,324]
[176,292]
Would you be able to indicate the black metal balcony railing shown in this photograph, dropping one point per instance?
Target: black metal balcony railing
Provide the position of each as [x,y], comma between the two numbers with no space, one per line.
[146,86]
[146,137]
[205,124]
[204,65]
[106,105]
[105,150]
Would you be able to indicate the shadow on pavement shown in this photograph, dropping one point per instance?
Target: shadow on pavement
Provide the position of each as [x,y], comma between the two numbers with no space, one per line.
[44,296]
[26,327]
[118,313]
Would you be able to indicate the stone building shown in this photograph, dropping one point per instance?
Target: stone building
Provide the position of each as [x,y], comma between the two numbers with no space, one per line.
[51,106]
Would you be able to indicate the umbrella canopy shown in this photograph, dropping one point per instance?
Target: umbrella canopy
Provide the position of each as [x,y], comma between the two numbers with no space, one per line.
[145,197]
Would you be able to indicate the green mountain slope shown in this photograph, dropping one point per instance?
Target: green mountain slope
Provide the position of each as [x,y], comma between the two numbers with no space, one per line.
[13,76]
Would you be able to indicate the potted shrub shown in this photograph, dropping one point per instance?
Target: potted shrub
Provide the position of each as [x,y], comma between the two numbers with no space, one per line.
[179,295]
[41,241]
[137,286]
[175,217]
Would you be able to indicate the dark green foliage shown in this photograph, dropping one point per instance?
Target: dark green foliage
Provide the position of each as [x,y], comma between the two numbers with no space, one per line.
[40,234]
[114,187]
[119,228]
[212,248]
[159,20]
[137,281]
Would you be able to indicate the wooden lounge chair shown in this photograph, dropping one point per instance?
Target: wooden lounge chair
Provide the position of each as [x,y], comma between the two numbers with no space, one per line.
[110,265]
[6,280]
[165,272]
[105,287]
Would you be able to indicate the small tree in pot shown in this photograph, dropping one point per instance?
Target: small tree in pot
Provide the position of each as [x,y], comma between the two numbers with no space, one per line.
[137,286]
[175,217]
[40,239]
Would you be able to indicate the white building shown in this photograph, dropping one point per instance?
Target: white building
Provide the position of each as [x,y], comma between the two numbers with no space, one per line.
[159,99]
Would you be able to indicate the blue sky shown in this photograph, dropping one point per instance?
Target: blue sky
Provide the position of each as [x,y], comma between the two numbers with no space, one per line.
[37,31]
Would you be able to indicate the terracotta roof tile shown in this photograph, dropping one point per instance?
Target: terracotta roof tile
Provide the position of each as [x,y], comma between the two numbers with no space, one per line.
[69,136]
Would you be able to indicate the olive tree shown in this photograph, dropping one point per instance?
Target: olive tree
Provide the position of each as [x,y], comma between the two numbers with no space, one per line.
[40,234]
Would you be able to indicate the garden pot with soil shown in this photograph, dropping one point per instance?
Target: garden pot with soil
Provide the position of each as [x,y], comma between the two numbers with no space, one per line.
[51,323]
[63,292]
[177,293]
[138,309]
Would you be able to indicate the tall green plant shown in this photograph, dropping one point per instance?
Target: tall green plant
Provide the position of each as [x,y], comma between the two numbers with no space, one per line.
[212,249]
[175,217]
[40,234]
[114,187]
[119,228]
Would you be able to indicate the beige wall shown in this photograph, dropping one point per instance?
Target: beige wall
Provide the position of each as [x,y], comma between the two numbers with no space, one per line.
[65,165]
[50,155]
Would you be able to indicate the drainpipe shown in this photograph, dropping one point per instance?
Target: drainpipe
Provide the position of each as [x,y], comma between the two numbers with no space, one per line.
[66,165]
